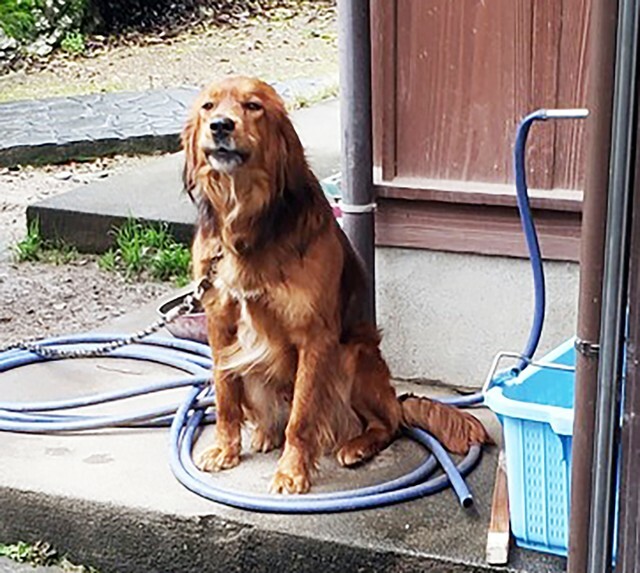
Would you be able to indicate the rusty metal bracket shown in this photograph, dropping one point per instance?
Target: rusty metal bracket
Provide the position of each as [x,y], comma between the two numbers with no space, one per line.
[587,349]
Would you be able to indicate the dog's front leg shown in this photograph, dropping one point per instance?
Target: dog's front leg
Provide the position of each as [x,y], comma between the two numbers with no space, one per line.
[310,408]
[222,318]
[226,451]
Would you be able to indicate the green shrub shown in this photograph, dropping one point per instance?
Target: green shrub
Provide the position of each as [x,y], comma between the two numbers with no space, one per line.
[17,18]
[64,20]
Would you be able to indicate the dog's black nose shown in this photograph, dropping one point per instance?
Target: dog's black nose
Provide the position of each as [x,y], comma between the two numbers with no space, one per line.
[222,125]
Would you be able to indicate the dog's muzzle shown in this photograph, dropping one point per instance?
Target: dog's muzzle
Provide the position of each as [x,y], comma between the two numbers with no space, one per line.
[224,155]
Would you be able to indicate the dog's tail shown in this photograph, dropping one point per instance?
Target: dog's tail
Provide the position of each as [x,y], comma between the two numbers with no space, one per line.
[456,430]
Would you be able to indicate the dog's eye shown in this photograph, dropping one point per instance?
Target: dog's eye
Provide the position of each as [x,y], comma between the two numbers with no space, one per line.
[252,106]
[207,105]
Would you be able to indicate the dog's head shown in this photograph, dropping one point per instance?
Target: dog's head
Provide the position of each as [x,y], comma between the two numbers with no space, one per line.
[240,124]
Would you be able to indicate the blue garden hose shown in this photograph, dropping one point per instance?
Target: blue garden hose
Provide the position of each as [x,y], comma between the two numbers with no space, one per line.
[526,219]
[195,360]
[530,234]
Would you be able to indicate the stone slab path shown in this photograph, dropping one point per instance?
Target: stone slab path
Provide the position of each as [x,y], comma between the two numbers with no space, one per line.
[55,130]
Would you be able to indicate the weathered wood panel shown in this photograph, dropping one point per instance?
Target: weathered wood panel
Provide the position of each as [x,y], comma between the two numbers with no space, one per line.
[487,230]
[452,80]
[572,92]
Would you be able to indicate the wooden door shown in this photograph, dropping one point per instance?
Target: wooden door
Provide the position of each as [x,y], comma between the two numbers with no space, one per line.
[452,79]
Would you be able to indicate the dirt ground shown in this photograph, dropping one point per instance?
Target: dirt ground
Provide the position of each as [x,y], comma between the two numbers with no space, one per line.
[287,44]
[39,299]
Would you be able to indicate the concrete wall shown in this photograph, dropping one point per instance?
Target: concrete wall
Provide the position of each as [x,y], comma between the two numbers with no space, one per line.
[444,316]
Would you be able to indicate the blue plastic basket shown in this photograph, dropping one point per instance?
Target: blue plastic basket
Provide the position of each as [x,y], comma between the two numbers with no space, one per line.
[536,410]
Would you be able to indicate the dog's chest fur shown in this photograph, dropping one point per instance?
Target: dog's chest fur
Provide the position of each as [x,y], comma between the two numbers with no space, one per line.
[262,346]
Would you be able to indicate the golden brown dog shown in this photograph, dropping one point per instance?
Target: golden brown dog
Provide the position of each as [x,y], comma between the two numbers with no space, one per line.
[292,353]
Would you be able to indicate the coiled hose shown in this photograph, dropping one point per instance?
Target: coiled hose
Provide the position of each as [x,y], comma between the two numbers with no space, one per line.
[194,359]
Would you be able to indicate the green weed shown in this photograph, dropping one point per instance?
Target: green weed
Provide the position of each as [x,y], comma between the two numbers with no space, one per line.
[34,248]
[30,248]
[129,248]
[108,261]
[41,554]
[330,37]
[171,263]
[59,253]
[73,43]
[148,250]
[37,554]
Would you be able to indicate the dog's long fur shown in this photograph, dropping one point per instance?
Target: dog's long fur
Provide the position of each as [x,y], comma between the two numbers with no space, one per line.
[292,353]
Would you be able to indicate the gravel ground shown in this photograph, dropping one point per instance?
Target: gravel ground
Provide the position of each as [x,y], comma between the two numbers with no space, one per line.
[38,299]
[287,44]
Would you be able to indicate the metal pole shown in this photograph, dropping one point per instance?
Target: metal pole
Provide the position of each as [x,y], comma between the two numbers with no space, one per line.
[614,293]
[602,47]
[628,551]
[354,41]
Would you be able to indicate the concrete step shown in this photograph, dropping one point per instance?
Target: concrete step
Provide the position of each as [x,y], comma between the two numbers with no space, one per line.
[86,216]
[109,499]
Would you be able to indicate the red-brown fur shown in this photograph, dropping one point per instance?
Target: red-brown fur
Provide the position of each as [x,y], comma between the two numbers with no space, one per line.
[292,353]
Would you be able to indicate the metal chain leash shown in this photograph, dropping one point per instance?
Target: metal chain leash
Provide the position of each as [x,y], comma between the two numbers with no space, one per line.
[188,305]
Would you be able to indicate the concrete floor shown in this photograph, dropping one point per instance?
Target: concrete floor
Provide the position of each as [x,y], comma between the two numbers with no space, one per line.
[109,499]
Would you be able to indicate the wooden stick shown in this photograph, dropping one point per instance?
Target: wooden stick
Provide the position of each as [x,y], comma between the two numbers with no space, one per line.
[498,538]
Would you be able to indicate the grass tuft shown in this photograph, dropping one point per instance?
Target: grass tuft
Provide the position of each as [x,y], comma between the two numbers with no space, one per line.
[108,261]
[30,248]
[141,251]
[329,91]
[148,250]
[33,248]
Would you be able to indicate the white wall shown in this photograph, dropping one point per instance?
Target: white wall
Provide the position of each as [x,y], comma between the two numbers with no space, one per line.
[444,315]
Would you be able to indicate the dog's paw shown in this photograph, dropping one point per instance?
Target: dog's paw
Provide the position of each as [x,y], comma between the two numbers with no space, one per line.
[362,448]
[350,455]
[289,482]
[216,459]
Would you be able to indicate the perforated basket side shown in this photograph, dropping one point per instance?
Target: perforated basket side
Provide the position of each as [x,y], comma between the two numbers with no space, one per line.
[538,472]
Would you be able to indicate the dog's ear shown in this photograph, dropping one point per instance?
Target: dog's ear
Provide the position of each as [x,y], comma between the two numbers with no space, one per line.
[189,139]
[293,163]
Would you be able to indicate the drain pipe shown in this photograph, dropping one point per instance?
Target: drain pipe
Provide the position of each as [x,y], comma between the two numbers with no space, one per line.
[614,292]
[602,34]
[354,42]
[628,548]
